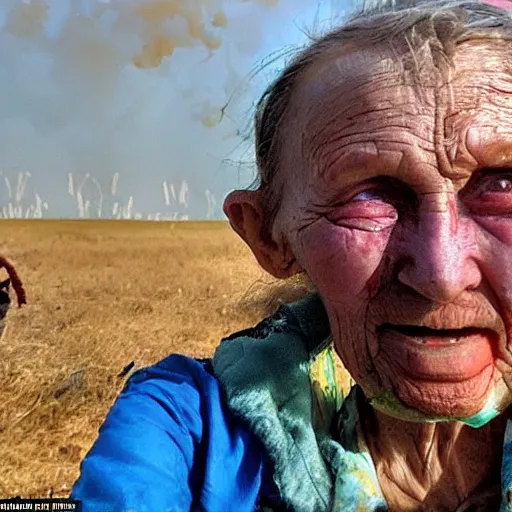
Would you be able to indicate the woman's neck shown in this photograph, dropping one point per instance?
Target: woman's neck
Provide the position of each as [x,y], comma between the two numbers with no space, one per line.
[434,466]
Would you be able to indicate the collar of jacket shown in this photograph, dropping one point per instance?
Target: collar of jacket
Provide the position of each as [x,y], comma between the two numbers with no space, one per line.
[278,379]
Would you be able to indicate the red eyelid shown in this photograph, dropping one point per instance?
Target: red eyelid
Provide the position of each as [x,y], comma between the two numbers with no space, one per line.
[354,209]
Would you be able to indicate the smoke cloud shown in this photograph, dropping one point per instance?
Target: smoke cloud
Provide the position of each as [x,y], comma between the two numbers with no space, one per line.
[136,109]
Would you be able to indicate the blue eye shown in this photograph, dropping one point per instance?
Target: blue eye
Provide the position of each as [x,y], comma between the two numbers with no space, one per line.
[367,195]
[374,194]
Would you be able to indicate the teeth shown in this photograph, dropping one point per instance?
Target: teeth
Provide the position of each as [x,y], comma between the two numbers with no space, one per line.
[422,341]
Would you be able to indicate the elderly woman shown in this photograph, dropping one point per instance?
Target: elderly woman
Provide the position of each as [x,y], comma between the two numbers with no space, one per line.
[384,153]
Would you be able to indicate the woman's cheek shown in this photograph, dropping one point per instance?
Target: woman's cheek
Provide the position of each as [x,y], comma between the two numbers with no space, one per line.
[339,260]
[500,228]
[496,255]
[495,241]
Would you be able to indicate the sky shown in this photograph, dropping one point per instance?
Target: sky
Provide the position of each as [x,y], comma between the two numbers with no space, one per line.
[138,108]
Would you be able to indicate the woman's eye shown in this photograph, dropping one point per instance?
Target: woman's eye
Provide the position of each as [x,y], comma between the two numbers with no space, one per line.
[489,193]
[372,206]
[500,185]
[369,210]
[367,195]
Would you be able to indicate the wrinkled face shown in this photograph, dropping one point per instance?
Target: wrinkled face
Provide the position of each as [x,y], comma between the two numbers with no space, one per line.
[398,205]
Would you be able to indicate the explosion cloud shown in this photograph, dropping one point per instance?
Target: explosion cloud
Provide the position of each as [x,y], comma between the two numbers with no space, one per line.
[136,108]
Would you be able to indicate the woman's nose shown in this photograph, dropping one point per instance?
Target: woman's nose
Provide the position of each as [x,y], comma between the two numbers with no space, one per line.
[439,257]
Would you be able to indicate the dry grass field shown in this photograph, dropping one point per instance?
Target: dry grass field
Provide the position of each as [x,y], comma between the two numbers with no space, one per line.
[100,295]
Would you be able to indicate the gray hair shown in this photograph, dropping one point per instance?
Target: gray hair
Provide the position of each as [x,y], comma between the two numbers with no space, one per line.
[419,35]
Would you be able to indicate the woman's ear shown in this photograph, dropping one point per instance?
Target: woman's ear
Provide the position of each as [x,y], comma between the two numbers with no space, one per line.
[243,209]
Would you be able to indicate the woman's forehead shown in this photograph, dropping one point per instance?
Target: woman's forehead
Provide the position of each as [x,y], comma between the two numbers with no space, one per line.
[354,70]
[365,94]
[342,70]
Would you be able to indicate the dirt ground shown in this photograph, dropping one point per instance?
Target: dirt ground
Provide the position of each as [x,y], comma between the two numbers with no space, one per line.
[100,295]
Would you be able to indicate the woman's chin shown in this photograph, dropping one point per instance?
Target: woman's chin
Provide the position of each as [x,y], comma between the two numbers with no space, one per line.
[461,399]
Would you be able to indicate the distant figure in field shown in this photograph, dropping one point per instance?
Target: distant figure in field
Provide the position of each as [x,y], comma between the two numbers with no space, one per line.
[5,299]
[384,153]
[5,303]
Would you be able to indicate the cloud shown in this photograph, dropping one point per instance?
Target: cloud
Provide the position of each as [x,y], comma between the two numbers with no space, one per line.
[152,94]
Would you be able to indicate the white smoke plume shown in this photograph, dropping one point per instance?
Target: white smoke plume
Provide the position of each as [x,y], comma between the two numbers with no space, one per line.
[136,108]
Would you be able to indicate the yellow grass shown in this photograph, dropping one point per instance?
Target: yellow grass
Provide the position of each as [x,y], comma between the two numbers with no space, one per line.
[102,294]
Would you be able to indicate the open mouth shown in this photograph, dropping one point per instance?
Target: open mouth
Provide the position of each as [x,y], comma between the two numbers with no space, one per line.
[429,336]
[437,355]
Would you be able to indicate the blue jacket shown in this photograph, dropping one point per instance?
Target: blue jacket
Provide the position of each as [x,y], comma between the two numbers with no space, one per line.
[171,441]
[168,445]
[263,426]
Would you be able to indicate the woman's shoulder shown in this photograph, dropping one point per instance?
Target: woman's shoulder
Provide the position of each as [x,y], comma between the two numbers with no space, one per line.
[162,442]
[175,389]
[174,370]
